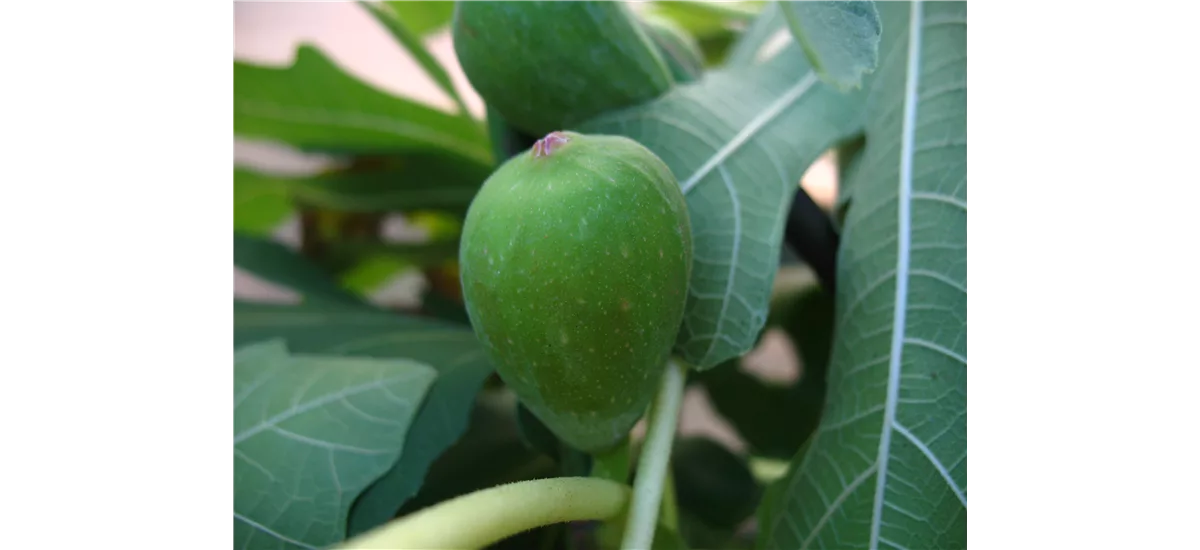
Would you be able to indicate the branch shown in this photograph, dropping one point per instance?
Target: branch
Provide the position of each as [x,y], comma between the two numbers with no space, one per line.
[652,464]
[481,518]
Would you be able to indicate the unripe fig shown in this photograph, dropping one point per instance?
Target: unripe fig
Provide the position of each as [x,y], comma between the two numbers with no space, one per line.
[548,65]
[575,262]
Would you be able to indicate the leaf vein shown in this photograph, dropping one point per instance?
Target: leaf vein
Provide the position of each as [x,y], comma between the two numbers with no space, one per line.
[327,445]
[937,197]
[737,230]
[837,503]
[268,531]
[920,342]
[302,408]
[907,139]
[933,459]
[245,457]
[370,417]
[940,277]
[755,124]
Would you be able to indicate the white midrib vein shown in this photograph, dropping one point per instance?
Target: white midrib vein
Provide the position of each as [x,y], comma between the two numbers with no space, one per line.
[750,129]
[904,232]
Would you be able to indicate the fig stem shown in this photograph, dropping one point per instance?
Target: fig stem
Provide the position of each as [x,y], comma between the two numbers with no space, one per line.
[481,518]
[652,464]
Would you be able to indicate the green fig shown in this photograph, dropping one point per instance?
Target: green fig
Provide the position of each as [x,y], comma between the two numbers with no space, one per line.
[575,262]
[549,65]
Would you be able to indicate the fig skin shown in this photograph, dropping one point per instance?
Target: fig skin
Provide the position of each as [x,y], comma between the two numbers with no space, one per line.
[575,262]
[545,66]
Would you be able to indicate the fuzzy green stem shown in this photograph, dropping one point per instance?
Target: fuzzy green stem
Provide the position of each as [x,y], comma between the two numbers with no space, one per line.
[481,518]
[652,464]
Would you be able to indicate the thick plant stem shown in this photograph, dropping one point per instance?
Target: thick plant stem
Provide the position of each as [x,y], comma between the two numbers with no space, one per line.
[481,518]
[652,464]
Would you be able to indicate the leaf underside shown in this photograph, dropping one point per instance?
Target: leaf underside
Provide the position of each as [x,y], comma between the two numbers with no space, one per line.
[887,467]
[310,433]
[738,141]
[452,350]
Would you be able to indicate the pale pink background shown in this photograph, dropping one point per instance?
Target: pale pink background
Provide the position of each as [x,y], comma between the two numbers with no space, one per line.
[268,32]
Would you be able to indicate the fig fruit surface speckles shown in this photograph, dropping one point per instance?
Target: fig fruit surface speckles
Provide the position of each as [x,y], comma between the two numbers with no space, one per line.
[575,262]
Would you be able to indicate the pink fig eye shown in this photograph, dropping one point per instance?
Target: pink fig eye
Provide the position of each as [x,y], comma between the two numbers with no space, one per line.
[549,144]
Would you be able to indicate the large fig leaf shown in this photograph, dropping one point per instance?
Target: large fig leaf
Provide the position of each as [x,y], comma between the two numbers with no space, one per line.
[887,467]
[738,141]
[357,332]
[314,105]
[310,433]
[841,39]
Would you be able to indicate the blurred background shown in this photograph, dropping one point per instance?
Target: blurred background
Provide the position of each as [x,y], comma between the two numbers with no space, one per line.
[268,33]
